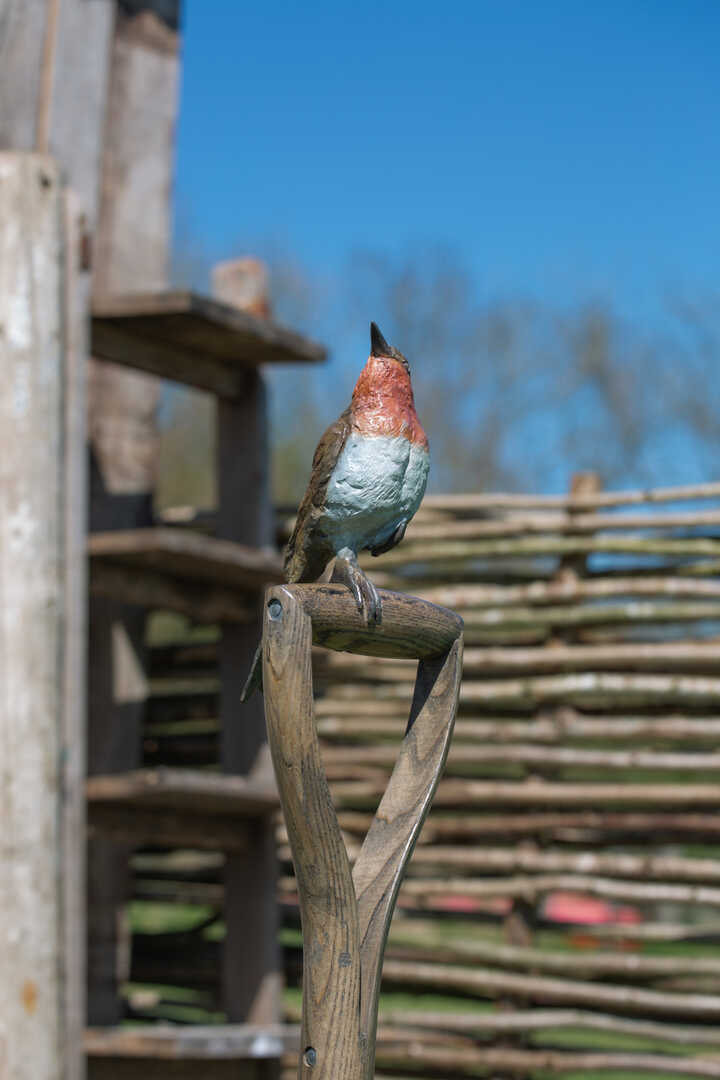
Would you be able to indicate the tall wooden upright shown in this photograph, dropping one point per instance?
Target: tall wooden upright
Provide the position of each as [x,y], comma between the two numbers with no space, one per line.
[131,251]
[251,962]
[42,541]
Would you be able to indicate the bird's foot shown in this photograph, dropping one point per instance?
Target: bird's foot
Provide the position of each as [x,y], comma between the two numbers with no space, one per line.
[347,572]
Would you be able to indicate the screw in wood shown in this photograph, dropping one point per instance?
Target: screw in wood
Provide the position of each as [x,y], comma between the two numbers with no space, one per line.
[275,609]
[310,1057]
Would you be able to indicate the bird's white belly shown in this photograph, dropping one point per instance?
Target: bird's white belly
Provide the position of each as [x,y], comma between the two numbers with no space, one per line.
[377,483]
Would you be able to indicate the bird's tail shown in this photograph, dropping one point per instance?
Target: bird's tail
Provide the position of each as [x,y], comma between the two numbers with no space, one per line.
[254,680]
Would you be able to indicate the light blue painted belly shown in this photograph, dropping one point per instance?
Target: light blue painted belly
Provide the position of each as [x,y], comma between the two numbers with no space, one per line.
[378,482]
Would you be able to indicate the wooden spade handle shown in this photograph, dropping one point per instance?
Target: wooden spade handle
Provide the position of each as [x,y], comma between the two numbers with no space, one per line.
[346,917]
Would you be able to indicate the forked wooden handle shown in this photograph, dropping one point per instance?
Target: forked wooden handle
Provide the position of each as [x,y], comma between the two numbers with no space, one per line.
[346,917]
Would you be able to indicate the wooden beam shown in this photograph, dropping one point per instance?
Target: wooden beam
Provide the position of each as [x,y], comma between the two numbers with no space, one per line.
[54,60]
[188,555]
[74,654]
[132,825]
[470,503]
[185,790]
[194,340]
[252,974]
[22,59]
[133,239]
[199,601]
[109,1068]
[41,722]
[198,1043]
[130,250]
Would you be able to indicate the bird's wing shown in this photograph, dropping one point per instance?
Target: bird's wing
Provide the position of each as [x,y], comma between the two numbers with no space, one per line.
[301,561]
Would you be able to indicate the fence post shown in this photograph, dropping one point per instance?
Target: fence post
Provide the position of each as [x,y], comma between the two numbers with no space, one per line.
[42,409]
[252,978]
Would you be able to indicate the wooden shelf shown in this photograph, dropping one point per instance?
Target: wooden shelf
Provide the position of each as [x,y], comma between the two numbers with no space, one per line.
[208,579]
[199,1043]
[188,808]
[182,790]
[192,339]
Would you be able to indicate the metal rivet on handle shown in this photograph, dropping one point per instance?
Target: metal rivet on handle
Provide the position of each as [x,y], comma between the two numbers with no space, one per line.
[310,1057]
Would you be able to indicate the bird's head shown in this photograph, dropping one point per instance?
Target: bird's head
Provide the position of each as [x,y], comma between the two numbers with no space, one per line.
[380,347]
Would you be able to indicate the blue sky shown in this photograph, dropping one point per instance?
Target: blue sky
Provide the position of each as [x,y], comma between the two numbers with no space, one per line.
[560,148]
[564,153]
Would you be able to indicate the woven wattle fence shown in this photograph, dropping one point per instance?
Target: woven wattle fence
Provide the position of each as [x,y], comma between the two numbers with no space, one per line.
[564,898]
[561,914]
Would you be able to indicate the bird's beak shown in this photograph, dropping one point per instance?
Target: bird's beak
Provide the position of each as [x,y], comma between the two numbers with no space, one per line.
[378,344]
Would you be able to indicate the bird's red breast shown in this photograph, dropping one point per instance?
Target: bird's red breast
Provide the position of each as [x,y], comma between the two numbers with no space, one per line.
[383,403]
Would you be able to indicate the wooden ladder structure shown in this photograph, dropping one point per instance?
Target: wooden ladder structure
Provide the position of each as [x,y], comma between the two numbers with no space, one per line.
[88,92]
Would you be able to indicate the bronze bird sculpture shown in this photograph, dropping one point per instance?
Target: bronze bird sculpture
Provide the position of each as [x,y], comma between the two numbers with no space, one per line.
[367,481]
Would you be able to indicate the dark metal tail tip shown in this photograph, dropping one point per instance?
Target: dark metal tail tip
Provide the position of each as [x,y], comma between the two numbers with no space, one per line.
[254,680]
[378,344]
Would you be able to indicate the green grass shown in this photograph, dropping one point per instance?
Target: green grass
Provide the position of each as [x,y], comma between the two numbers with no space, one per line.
[166,627]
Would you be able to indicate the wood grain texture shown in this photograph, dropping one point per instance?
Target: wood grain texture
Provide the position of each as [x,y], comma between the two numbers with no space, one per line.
[197,1043]
[251,960]
[397,823]
[331,934]
[193,339]
[410,628]
[187,555]
[500,500]
[39,606]
[133,235]
[534,546]
[73,728]
[130,250]
[346,917]
[186,789]
[175,826]
[23,25]
[200,601]
[119,1068]
[78,96]
[486,983]
[499,1021]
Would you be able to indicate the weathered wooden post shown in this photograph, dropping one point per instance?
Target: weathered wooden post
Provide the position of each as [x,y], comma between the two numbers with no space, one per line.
[131,252]
[42,613]
[346,917]
[252,975]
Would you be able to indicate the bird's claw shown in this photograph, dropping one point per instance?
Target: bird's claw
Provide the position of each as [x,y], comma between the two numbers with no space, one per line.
[347,572]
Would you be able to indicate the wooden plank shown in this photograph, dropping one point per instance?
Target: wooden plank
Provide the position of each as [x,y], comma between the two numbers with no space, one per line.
[187,555]
[74,656]
[552,546]
[77,99]
[102,1068]
[521,524]
[53,82]
[474,501]
[54,60]
[200,602]
[41,594]
[198,1043]
[23,33]
[252,973]
[193,339]
[186,790]
[134,825]
[130,250]
[133,237]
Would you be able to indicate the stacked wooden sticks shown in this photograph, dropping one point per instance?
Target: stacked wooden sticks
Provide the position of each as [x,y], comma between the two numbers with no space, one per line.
[582,785]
